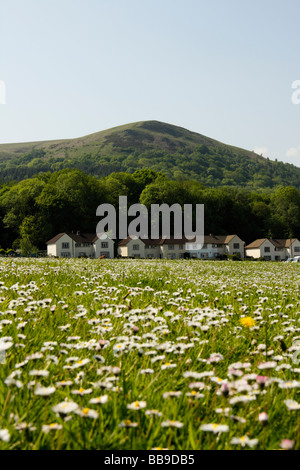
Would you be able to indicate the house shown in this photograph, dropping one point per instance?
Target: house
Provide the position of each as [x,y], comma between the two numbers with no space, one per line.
[272,249]
[145,248]
[216,246]
[172,248]
[76,245]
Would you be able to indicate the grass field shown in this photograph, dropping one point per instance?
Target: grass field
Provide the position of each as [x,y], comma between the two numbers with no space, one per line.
[137,354]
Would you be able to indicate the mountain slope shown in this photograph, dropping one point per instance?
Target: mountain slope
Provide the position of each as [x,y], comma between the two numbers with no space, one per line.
[177,152]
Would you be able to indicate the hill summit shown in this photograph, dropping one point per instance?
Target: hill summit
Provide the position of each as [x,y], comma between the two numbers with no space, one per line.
[172,150]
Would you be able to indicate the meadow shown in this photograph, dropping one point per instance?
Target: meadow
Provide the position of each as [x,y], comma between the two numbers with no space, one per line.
[149,354]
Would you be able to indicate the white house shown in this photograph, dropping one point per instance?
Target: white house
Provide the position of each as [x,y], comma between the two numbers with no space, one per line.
[273,249]
[76,245]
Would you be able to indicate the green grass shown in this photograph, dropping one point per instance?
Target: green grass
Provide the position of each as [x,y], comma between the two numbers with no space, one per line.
[147,306]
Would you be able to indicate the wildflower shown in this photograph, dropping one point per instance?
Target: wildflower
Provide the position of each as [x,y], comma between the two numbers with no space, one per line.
[244,441]
[137,405]
[267,365]
[4,435]
[247,322]
[65,407]
[292,405]
[153,413]
[39,373]
[86,413]
[263,417]
[102,399]
[82,391]
[80,363]
[262,380]
[287,444]
[194,394]
[44,391]
[172,394]
[171,423]
[168,365]
[128,424]
[64,383]
[51,427]
[215,428]
[292,384]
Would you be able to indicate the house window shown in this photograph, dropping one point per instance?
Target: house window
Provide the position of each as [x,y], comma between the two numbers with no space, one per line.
[181,255]
[104,253]
[214,245]
[204,246]
[77,245]
[65,254]
[104,244]
[297,249]
[170,247]
[136,247]
[65,245]
[181,247]
[86,244]
[236,246]
[267,249]
[171,256]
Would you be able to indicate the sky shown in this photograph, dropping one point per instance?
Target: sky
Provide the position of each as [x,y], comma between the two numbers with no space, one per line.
[224,69]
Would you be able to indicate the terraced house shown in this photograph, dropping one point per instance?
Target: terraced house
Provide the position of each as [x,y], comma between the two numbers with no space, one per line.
[213,247]
[272,249]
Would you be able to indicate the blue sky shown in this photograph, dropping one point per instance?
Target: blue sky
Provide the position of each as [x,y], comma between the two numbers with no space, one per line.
[221,68]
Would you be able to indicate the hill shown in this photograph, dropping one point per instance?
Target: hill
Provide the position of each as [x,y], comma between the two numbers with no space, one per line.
[175,151]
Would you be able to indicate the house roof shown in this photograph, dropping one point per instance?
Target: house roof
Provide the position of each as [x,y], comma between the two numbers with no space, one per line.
[208,239]
[257,243]
[278,243]
[78,237]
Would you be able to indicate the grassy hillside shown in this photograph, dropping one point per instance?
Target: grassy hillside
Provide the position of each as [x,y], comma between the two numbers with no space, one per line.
[177,152]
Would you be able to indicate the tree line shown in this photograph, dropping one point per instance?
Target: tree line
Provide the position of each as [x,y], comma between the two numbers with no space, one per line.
[34,210]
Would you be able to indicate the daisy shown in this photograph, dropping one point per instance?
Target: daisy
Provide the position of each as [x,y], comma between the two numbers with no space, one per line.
[137,405]
[292,405]
[65,407]
[102,399]
[87,413]
[82,391]
[153,413]
[51,427]
[244,441]
[215,428]
[44,391]
[128,424]
[4,435]
[171,423]
[287,444]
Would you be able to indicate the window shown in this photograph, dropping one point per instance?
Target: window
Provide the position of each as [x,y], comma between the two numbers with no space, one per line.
[181,247]
[214,245]
[171,256]
[236,246]
[136,247]
[267,249]
[170,247]
[204,246]
[104,253]
[65,245]
[86,244]
[181,255]
[77,245]
[104,244]
[65,254]
[297,249]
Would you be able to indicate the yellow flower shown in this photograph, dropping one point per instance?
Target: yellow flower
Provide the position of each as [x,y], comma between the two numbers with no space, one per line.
[247,322]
